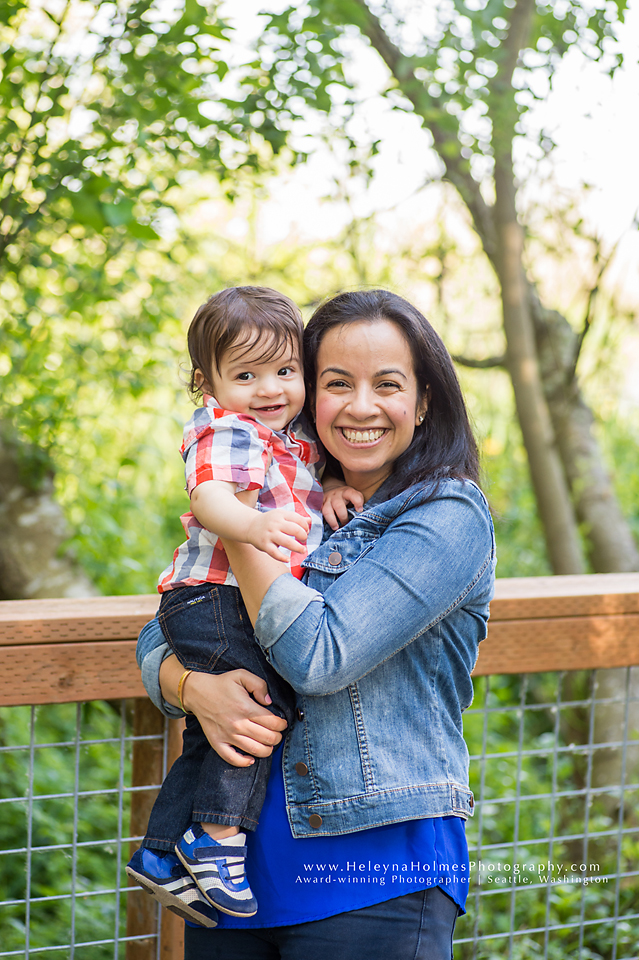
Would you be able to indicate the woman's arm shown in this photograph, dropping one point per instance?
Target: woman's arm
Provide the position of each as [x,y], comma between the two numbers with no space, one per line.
[424,565]
[254,571]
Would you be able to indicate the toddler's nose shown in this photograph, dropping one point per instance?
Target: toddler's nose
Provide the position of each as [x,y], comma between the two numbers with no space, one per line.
[269,387]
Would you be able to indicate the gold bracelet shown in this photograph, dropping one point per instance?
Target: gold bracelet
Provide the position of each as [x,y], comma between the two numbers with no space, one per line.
[187,673]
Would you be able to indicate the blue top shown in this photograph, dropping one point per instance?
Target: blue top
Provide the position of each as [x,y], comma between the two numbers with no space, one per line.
[296,881]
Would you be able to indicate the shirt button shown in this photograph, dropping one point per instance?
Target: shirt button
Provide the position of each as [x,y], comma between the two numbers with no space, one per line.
[315,821]
[335,558]
[299,713]
[301,768]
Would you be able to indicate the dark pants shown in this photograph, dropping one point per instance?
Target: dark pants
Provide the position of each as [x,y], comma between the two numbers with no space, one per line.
[208,629]
[418,926]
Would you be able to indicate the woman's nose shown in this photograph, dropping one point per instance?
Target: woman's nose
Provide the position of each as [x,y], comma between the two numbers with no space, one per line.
[363,403]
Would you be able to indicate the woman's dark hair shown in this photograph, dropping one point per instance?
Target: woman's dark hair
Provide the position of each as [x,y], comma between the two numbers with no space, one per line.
[236,317]
[443,445]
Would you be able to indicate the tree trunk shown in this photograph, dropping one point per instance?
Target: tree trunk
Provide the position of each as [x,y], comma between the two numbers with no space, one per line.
[551,490]
[32,531]
[611,546]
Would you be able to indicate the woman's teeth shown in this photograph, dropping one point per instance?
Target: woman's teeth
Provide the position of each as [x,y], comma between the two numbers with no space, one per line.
[362,436]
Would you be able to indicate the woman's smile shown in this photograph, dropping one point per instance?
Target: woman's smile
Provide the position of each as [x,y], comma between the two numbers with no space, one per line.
[360,437]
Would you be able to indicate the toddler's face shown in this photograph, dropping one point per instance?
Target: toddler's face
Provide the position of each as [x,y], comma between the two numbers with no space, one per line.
[272,391]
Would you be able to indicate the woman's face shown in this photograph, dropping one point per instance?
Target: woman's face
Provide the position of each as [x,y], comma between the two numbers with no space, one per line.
[366,402]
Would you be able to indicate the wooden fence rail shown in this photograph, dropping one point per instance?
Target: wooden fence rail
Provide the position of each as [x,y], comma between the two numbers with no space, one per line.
[85,649]
[61,651]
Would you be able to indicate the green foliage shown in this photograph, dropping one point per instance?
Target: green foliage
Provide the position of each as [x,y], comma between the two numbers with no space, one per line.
[521,550]
[619,438]
[105,111]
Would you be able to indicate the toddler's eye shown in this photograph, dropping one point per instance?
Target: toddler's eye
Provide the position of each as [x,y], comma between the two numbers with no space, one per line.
[285,371]
[245,376]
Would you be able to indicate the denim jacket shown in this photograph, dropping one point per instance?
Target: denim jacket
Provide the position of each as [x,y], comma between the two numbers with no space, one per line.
[379,644]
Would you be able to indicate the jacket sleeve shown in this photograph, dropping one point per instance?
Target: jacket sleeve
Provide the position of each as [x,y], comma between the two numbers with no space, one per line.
[151,650]
[423,566]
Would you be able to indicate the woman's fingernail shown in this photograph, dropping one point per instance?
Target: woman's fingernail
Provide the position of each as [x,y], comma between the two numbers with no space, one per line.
[268,699]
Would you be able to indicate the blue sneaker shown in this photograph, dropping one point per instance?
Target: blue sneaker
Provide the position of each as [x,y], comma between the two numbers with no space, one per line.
[218,870]
[165,878]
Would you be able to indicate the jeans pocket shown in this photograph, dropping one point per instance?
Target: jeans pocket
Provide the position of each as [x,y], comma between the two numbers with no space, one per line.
[194,629]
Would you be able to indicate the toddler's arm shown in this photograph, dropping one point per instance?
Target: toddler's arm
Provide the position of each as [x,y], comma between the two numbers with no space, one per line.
[217,508]
[336,497]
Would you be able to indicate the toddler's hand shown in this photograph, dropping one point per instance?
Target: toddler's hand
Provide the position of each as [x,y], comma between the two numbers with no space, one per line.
[278,528]
[334,506]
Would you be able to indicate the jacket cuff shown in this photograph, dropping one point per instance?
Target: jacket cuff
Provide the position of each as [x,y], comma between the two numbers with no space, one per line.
[285,600]
[152,650]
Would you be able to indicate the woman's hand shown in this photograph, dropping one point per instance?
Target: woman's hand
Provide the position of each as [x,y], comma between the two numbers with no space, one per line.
[224,705]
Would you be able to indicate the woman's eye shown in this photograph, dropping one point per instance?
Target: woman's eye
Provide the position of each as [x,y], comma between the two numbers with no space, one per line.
[388,385]
[336,383]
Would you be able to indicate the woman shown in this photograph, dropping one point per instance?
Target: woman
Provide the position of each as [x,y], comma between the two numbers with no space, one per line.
[379,643]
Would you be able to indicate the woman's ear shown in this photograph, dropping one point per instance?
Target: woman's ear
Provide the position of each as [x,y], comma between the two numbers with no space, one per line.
[422,407]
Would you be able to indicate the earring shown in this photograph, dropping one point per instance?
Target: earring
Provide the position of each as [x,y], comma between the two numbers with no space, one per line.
[421,418]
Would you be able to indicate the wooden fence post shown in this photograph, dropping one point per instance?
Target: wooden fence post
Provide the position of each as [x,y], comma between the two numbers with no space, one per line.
[146,768]
[171,926]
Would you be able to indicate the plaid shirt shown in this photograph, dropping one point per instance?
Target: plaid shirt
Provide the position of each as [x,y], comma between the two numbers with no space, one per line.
[221,445]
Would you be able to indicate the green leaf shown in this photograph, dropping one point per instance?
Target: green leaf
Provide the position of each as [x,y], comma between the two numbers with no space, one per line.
[118,214]
[141,231]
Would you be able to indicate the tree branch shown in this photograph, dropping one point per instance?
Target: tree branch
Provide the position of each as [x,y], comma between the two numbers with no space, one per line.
[402,70]
[485,364]
[590,306]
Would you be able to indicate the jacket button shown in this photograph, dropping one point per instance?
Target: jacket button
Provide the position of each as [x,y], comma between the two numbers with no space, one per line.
[335,558]
[471,802]
[315,821]
[299,713]
[301,768]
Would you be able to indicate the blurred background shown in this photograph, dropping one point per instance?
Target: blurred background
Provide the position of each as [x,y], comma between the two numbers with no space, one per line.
[476,156]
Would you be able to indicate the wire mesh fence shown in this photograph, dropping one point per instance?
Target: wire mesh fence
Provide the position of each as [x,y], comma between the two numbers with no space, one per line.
[65,814]
[554,844]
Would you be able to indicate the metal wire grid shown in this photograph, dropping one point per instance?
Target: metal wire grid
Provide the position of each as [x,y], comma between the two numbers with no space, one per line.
[567,795]
[49,923]
[546,801]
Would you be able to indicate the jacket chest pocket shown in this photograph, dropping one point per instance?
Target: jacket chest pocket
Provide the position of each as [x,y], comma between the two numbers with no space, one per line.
[338,554]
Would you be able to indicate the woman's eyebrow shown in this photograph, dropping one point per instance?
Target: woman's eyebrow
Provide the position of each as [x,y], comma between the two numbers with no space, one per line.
[380,373]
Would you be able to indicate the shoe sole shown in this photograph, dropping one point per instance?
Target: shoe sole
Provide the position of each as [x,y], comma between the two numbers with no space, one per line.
[169,901]
[232,913]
